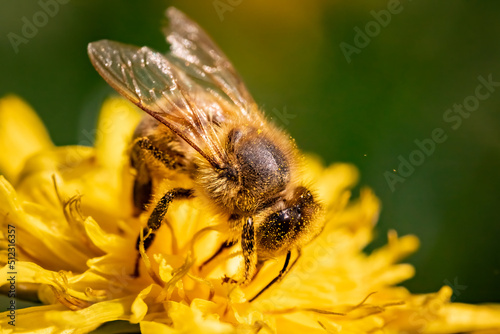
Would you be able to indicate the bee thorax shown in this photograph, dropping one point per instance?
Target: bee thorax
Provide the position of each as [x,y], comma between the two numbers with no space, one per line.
[263,167]
[257,170]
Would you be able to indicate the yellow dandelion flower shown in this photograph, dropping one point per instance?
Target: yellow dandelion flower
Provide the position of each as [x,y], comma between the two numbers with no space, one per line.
[69,236]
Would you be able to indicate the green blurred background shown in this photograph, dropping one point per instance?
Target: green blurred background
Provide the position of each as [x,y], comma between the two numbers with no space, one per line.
[367,111]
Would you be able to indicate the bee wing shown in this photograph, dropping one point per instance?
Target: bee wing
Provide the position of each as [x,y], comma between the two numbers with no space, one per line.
[194,52]
[156,85]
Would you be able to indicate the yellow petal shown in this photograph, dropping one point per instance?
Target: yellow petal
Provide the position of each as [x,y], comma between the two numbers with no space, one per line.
[457,317]
[191,320]
[139,306]
[117,121]
[30,321]
[22,133]
[152,327]
[88,319]
[335,180]
[27,272]
[50,238]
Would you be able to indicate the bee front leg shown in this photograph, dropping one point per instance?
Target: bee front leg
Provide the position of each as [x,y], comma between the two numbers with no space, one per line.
[227,244]
[156,219]
[286,268]
[248,246]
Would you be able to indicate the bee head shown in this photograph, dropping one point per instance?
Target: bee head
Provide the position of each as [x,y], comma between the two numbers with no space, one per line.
[290,224]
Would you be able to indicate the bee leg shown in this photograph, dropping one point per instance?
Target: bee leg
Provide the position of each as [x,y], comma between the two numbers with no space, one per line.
[248,243]
[156,218]
[143,188]
[285,270]
[145,144]
[143,185]
[225,245]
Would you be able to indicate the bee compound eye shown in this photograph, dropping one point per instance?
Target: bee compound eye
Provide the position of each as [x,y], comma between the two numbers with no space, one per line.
[283,217]
[278,228]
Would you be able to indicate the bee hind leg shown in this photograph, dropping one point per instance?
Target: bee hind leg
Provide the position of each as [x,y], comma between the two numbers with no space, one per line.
[156,218]
[143,147]
[142,144]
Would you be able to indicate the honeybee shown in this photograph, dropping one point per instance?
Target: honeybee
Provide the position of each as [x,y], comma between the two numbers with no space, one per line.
[204,123]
